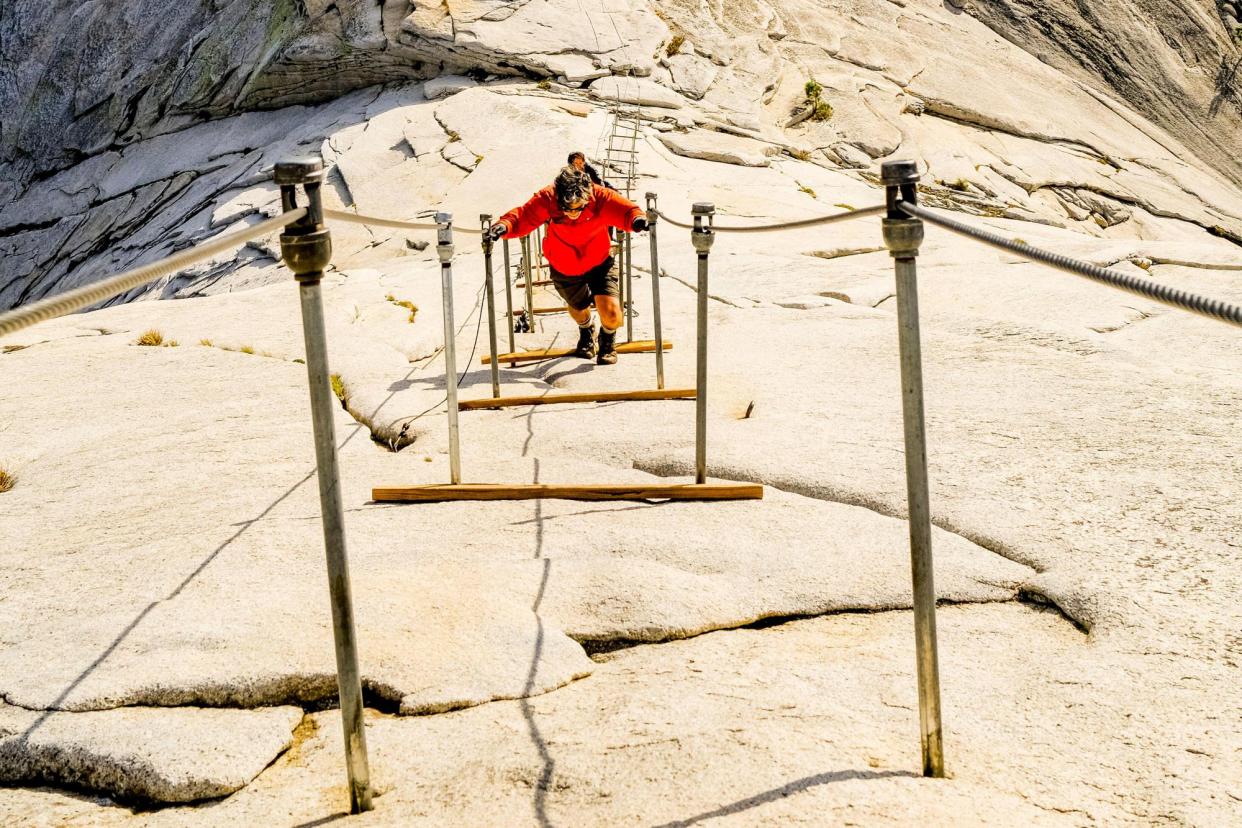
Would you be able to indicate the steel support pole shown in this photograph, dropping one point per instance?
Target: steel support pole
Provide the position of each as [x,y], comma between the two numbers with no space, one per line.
[629,287]
[537,252]
[652,213]
[485,223]
[306,247]
[902,236]
[508,295]
[702,237]
[617,249]
[527,276]
[444,246]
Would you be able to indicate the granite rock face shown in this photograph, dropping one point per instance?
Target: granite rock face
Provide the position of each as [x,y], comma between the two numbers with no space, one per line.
[143,753]
[163,551]
[1178,64]
[118,154]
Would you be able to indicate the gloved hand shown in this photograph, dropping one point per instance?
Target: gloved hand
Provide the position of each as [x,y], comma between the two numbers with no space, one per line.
[497,232]
[640,224]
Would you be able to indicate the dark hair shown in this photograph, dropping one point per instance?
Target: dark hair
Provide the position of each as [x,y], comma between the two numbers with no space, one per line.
[571,185]
[574,156]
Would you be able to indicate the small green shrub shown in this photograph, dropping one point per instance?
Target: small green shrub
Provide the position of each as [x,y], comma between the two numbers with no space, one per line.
[821,110]
[544,84]
[338,387]
[206,343]
[7,479]
[674,45]
[150,338]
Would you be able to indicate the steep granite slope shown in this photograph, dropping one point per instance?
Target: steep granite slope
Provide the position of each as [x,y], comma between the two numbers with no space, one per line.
[1178,63]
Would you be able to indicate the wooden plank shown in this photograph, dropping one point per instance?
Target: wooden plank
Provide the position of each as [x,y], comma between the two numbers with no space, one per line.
[638,346]
[541,491]
[599,396]
[539,311]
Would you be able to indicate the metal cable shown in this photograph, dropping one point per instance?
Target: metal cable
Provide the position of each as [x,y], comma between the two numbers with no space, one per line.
[73,300]
[376,221]
[784,225]
[1214,308]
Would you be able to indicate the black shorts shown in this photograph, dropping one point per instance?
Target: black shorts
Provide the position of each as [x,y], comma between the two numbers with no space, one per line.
[579,291]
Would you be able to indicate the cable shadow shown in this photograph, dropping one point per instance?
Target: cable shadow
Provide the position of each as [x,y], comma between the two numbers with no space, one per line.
[550,377]
[797,786]
[328,820]
[538,520]
[198,570]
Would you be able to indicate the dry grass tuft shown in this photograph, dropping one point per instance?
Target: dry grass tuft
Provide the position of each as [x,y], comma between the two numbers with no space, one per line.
[152,338]
[404,303]
[206,343]
[246,349]
[338,387]
[7,479]
[674,45]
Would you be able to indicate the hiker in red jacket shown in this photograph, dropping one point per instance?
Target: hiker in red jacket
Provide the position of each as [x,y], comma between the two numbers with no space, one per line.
[578,214]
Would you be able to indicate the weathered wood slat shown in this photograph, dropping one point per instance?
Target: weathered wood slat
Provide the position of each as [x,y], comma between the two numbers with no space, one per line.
[579,397]
[542,491]
[539,311]
[638,346]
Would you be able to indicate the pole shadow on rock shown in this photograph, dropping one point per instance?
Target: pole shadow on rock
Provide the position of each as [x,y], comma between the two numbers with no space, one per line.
[198,570]
[549,764]
[777,794]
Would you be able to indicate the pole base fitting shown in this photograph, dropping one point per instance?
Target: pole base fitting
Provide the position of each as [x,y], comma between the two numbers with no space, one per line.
[903,236]
[306,253]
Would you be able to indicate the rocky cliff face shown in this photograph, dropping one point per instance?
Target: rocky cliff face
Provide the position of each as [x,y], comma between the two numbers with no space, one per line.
[1179,63]
[85,79]
[130,134]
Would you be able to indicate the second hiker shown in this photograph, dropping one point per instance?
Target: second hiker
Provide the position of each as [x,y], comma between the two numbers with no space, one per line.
[576,245]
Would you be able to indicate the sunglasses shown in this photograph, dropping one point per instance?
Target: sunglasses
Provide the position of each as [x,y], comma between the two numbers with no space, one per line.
[574,210]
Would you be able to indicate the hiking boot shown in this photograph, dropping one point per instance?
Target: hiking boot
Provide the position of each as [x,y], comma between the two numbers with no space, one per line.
[607,348]
[586,342]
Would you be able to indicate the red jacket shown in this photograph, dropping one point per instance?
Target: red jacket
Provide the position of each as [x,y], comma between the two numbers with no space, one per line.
[573,246]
